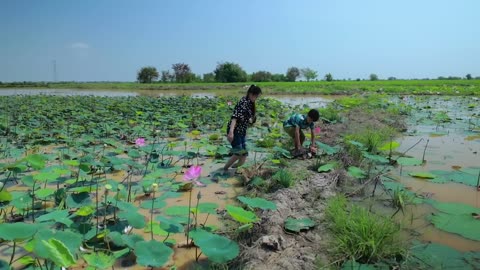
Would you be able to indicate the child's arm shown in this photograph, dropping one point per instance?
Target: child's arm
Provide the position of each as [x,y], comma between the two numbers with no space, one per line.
[313,137]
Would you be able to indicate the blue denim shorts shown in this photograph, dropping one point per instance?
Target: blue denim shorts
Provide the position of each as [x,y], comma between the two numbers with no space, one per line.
[239,145]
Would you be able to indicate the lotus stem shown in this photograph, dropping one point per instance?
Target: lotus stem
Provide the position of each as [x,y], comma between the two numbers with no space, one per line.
[421,139]
[13,252]
[151,216]
[424,150]
[188,222]
[478,181]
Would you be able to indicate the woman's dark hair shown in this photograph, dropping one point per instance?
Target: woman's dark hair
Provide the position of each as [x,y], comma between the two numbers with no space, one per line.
[254,90]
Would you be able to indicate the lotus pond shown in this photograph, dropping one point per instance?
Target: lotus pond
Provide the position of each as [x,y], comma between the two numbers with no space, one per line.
[135,181]
[98,181]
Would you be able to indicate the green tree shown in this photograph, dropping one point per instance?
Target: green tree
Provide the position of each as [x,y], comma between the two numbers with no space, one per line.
[147,75]
[309,74]
[469,76]
[373,77]
[230,72]
[262,76]
[209,77]
[328,77]
[182,73]
[292,74]
[279,77]
[392,78]
[166,76]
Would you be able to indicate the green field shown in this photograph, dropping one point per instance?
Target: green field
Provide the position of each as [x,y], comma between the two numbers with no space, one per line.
[420,87]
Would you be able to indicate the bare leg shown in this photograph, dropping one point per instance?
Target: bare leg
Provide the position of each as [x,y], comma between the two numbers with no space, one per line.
[240,162]
[229,163]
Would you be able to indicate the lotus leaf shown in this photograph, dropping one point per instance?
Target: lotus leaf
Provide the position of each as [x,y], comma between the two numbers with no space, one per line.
[132,239]
[425,175]
[296,225]
[456,218]
[5,196]
[17,231]
[169,225]
[436,256]
[327,167]
[177,210]
[405,161]
[389,146]
[240,215]
[133,218]
[99,260]
[152,253]
[329,150]
[356,172]
[156,204]
[258,203]
[217,248]
[59,253]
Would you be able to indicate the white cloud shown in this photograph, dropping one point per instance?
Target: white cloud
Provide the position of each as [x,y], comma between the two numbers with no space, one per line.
[79,45]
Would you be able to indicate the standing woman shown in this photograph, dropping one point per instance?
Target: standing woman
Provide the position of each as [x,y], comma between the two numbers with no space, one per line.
[243,115]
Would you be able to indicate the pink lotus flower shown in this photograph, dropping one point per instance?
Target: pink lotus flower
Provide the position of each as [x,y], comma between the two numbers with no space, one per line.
[140,142]
[317,130]
[192,174]
[229,103]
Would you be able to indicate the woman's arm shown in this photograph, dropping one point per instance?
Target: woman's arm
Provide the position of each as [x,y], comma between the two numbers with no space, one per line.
[232,128]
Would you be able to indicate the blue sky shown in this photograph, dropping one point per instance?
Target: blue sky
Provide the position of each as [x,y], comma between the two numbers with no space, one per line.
[110,40]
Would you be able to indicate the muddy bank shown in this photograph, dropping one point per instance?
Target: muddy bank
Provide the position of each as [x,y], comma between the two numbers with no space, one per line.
[275,248]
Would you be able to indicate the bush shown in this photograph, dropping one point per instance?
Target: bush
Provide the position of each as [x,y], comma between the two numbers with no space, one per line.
[361,235]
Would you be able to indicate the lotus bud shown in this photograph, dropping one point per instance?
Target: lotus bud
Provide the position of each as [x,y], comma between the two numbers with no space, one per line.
[154,186]
[199,196]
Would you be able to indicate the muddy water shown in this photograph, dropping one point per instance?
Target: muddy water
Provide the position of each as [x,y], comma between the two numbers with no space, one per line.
[308,100]
[449,145]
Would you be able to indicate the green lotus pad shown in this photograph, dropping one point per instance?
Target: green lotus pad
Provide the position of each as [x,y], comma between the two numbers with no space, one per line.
[296,225]
[217,248]
[436,256]
[258,203]
[467,176]
[424,175]
[405,161]
[456,218]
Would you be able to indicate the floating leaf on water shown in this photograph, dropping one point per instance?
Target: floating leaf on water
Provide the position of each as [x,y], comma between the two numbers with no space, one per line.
[207,207]
[405,161]
[156,204]
[258,203]
[425,175]
[389,146]
[177,210]
[296,225]
[152,253]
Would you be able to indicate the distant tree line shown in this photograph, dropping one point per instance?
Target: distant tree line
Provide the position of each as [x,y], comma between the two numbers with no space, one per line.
[232,72]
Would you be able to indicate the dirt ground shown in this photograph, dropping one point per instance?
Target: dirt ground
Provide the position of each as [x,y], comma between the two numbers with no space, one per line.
[275,248]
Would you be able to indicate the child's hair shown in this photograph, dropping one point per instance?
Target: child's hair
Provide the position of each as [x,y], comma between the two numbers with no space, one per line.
[314,115]
[254,90]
